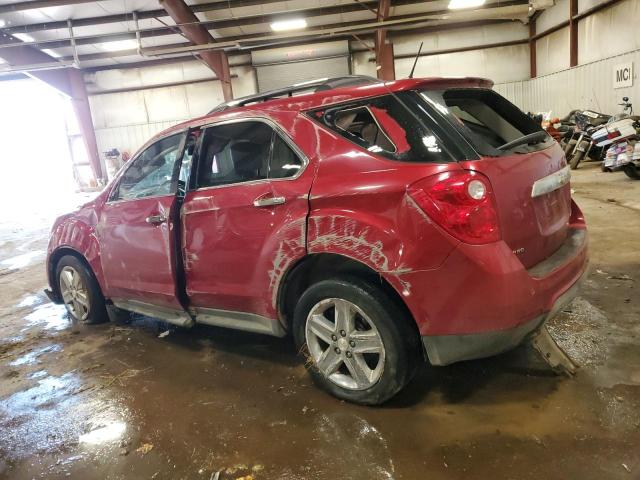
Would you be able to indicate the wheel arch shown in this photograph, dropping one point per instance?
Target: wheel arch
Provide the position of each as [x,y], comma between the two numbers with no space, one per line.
[52,265]
[316,267]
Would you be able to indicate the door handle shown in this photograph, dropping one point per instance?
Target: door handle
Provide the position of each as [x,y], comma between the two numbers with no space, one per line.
[268,201]
[156,219]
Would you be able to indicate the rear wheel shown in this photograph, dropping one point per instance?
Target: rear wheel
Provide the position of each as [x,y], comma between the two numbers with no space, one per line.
[632,171]
[80,291]
[358,342]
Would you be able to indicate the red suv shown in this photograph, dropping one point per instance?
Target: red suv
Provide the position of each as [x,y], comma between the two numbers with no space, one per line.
[379,223]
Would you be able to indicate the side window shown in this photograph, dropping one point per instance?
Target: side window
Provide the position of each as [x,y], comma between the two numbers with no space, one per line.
[234,153]
[360,125]
[385,126]
[284,161]
[151,172]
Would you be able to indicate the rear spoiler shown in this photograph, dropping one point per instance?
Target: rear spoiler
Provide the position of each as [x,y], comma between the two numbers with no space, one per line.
[441,83]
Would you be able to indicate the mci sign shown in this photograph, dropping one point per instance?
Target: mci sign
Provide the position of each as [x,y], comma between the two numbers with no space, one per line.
[623,75]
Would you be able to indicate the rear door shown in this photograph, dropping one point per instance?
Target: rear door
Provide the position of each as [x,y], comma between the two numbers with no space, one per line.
[530,180]
[237,224]
[136,228]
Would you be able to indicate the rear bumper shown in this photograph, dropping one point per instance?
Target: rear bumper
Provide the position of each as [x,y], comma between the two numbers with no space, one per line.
[482,301]
[447,349]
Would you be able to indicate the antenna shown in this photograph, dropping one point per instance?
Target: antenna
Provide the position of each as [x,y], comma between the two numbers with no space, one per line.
[413,69]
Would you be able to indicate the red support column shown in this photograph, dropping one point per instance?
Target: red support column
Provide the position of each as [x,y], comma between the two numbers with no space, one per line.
[80,103]
[532,49]
[385,64]
[199,35]
[573,33]
[67,81]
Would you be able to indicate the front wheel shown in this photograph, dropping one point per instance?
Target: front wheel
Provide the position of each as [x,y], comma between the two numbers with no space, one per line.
[576,159]
[358,342]
[80,291]
[632,171]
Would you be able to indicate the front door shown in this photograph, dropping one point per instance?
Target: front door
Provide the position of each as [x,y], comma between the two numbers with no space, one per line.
[136,229]
[241,220]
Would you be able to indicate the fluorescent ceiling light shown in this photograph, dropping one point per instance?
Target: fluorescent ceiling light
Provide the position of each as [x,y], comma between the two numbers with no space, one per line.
[458,4]
[118,45]
[25,37]
[51,53]
[291,24]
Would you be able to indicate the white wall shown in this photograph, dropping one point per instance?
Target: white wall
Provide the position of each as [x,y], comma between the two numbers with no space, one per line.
[586,86]
[501,64]
[126,120]
[605,39]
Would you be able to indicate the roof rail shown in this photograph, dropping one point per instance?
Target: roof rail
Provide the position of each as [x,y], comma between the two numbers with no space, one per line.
[318,85]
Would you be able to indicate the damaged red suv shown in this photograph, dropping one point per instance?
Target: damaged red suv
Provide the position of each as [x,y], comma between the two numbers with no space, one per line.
[379,223]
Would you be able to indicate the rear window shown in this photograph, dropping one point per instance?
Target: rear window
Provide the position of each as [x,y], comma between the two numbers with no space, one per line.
[387,127]
[487,120]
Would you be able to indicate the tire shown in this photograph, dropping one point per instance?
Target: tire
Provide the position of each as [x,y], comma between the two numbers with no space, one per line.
[632,171]
[576,159]
[80,291]
[378,325]
[569,146]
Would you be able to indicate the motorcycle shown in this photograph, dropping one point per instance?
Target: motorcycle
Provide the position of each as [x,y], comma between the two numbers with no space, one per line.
[621,137]
[579,144]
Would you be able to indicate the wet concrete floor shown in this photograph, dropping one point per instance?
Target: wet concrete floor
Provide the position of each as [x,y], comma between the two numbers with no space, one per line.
[118,401]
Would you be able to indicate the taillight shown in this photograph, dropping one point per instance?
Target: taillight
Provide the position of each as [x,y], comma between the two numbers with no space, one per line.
[461,202]
[614,134]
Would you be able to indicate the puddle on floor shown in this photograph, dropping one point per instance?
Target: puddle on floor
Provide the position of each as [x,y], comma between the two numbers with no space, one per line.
[30,301]
[31,358]
[50,317]
[21,261]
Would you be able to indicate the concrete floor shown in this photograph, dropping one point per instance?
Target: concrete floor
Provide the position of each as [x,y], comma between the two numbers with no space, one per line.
[117,401]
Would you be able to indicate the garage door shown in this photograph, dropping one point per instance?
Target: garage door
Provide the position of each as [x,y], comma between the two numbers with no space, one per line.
[280,67]
[284,74]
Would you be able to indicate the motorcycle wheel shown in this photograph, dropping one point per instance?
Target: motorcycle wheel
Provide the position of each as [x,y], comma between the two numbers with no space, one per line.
[569,146]
[632,171]
[576,159]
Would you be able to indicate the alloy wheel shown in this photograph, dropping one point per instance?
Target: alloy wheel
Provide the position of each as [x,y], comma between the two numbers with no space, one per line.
[74,293]
[345,344]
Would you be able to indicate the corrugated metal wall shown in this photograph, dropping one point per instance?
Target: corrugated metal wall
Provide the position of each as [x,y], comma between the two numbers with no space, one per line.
[483,62]
[130,137]
[126,120]
[612,33]
[586,86]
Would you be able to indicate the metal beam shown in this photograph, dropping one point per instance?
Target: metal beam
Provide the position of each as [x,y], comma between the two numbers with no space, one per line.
[573,33]
[385,66]
[131,34]
[294,42]
[340,30]
[205,7]
[33,5]
[153,86]
[461,49]
[82,110]
[533,62]
[199,35]
[67,81]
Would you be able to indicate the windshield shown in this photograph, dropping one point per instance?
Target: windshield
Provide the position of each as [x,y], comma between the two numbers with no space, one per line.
[488,121]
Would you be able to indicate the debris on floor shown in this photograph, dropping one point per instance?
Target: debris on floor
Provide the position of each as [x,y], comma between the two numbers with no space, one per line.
[144,448]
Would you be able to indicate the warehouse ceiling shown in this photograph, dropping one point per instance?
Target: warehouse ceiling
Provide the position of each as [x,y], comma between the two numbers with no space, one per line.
[116,33]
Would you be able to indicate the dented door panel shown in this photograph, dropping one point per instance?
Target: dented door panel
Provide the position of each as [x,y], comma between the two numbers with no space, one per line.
[138,257]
